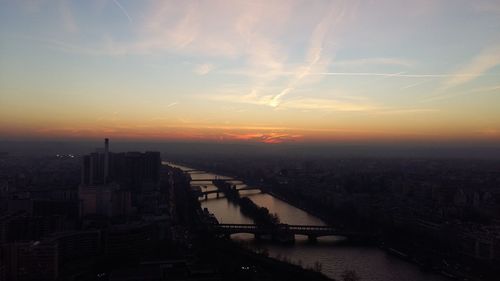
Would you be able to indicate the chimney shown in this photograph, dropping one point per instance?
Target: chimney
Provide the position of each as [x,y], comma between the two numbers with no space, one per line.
[106,160]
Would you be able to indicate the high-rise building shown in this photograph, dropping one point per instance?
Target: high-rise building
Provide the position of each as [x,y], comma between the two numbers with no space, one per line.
[111,182]
[31,260]
[46,259]
[107,199]
[129,169]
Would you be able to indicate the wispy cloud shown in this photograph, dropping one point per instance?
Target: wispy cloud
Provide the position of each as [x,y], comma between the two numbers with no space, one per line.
[478,66]
[315,59]
[461,93]
[299,103]
[406,111]
[247,31]
[276,100]
[372,74]
[375,61]
[327,105]
[270,138]
[346,103]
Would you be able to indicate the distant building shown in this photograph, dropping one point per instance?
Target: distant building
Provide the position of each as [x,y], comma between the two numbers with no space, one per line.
[129,169]
[111,182]
[76,245]
[108,200]
[130,240]
[24,227]
[43,207]
[45,259]
[33,260]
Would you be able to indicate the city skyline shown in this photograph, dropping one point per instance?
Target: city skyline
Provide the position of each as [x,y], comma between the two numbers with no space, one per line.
[272,72]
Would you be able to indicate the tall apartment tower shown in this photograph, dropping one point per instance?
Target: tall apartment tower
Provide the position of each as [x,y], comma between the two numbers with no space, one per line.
[95,168]
[106,160]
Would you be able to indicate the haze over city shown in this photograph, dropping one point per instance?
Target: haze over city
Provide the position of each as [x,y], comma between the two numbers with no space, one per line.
[258,71]
[249,140]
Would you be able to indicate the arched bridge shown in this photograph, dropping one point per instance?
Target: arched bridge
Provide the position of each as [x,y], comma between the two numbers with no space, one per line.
[217,179]
[218,191]
[286,230]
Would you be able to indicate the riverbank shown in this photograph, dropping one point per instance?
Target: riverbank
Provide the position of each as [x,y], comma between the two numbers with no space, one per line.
[247,264]
[230,260]
[370,262]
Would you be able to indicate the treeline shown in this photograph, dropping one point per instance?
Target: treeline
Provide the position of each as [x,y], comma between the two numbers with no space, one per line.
[260,215]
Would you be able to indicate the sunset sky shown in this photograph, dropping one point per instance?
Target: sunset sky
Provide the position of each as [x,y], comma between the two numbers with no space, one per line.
[265,71]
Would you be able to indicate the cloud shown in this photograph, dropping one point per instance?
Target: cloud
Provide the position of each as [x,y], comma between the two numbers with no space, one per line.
[276,100]
[299,103]
[406,111]
[270,138]
[372,74]
[341,104]
[172,104]
[232,96]
[478,66]
[203,69]
[454,94]
[315,61]
[327,105]
[250,33]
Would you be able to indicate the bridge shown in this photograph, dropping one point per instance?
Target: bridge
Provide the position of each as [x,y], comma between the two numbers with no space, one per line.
[286,232]
[218,191]
[194,180]
[212,179]
[194,172]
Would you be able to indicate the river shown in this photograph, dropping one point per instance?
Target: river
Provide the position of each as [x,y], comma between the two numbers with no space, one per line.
[370,263]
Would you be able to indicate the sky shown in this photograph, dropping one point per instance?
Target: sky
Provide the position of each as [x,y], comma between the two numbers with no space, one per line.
[259,71]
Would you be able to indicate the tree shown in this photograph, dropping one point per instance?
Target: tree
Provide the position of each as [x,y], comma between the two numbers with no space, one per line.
[350,275]
[318,267]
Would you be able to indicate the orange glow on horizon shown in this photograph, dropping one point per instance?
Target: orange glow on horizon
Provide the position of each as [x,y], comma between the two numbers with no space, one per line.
[262,134]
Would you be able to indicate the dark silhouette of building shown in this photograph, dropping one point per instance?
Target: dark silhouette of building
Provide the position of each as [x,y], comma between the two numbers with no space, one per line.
[129,169]
[46,259]
[112,183]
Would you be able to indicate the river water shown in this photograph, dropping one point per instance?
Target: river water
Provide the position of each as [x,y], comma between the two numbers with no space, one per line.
[370,263]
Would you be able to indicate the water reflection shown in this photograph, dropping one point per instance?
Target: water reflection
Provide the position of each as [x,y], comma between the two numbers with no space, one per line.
[370,263]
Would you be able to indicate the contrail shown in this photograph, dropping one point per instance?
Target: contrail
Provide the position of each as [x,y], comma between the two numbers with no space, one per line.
[123,10]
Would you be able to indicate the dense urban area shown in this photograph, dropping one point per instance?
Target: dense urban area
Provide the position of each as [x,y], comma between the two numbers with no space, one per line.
[129,216]
[115,216]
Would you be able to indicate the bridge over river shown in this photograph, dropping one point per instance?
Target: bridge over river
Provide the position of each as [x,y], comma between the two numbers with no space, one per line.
[218,191]
[287,232]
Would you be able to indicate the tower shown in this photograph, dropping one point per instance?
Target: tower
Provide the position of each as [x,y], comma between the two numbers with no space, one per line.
[106,160]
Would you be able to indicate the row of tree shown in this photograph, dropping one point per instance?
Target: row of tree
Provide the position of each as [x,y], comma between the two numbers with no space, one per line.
[260,215]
